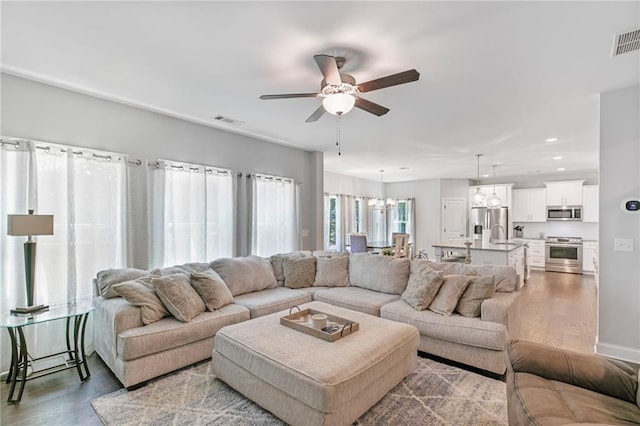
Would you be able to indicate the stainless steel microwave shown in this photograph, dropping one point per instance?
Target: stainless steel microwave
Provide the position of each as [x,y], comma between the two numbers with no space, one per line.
[564,213]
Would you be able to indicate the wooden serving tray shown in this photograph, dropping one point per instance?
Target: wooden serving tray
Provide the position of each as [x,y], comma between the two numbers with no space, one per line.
[336,329]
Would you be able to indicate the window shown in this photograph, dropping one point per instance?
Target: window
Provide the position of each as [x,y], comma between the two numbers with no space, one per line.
[401,216]
[359,210]
[332,222]
[274,215]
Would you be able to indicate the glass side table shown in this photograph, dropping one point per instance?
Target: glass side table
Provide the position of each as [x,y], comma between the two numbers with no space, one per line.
[76,316]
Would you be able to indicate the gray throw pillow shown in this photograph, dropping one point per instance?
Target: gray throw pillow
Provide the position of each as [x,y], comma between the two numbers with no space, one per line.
[212,289]
[178,296]
[107,278]
[245,274]
[447,298]
[478,289]
[332,271]
[145,297]
[423,285]
[277,261]
[299,273]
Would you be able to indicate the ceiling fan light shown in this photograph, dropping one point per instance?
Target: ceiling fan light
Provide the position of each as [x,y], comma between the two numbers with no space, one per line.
[338,103]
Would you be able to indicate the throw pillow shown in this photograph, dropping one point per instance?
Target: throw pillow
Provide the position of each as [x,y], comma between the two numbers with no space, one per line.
[278,259]
[505,276]
[478,289]
[245,274]
[107,278]
[299,273]
[178,296]
[423,285]
[447,298]
[448,268]
[211,289]
[332,272]
[138,294]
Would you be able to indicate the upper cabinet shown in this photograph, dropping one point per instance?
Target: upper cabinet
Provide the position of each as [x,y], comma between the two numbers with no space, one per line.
[590,200]
[529,205]
[565,193]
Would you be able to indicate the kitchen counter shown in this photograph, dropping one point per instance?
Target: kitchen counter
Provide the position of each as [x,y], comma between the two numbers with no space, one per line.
[508,253]
[503,246]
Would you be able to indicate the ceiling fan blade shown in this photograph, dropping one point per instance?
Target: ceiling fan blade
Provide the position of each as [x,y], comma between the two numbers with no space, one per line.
[390,80]
[290,95]
[316,115]
[371,107]
[329,69]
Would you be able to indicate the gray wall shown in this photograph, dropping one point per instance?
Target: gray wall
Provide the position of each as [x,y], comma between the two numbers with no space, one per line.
[619,290]
[38,111]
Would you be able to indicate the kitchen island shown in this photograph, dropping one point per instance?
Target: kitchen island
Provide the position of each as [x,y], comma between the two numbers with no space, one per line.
[509,253]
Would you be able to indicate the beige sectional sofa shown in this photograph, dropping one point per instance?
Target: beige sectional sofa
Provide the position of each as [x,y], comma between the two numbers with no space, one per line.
[372,284]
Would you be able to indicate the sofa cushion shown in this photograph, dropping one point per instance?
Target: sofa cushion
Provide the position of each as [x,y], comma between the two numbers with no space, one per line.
[506,277]
[450,291]
[379,273]
[245,274]
[186,269]
[423,285]
[277,260]
[332,271]
[356,298]
[170,333]
[176,293]
[107,278]
[454,328]
[213,291]
[330,253]
[145,297]
[478,289]
[447,268]
[271,300]
[300,272]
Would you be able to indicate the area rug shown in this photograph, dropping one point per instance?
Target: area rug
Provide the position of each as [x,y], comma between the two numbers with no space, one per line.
[434,394]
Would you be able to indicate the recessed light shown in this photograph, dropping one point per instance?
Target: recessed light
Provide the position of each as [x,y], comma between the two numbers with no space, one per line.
[561,169]
[404,168]
[551,140]
[559,157]
[485,175]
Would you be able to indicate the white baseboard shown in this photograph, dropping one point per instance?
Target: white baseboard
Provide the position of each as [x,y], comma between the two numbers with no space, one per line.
[622,353]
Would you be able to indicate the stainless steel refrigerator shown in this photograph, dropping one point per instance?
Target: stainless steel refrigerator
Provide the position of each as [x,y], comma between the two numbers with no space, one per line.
[483,218]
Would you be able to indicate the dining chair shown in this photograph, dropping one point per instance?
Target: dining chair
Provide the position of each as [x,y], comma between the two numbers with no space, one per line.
[358,243]
[400,244]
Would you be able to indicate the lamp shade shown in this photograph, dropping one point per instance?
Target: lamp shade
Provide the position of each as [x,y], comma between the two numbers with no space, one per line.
[338,103]
[29,224]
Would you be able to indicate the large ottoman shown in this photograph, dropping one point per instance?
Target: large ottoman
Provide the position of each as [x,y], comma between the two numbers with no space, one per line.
[305,380]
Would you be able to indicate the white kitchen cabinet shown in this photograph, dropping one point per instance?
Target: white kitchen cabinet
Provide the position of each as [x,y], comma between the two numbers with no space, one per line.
[535,252]
[589,256]
[590,200]
[529,205]
[565,193]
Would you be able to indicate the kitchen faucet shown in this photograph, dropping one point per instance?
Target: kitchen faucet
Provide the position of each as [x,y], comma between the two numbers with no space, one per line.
[491,232]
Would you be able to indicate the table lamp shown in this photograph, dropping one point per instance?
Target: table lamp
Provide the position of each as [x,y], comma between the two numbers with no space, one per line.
[29,225]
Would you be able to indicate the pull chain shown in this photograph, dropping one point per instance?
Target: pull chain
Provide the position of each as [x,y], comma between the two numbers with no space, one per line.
[338,117]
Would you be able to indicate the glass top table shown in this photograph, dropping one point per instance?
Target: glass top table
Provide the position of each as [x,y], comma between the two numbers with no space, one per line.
[75,314]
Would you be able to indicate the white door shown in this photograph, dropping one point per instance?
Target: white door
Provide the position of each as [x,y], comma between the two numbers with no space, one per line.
[454,219]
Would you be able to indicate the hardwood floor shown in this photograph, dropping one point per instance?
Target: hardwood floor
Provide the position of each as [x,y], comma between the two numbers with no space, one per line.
[557,309]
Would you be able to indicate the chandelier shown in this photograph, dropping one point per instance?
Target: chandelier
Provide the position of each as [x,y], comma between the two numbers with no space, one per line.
[380,204]
[478,199]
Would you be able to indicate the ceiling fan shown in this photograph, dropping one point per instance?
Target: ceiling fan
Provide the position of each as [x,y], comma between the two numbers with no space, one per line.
[340,93]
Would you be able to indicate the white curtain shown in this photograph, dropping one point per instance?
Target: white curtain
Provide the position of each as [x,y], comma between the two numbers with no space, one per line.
[377,224]
[274,227]
[192,210]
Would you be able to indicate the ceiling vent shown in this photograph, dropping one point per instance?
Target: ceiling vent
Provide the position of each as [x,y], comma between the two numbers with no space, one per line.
[626,42]
[228,120]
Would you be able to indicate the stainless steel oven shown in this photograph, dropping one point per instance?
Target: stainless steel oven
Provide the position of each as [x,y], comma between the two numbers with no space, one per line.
[563,254]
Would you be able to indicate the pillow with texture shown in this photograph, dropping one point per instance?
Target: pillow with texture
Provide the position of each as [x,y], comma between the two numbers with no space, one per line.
[332,272]
[278,259]
[423,285]
[245,274]
[213,291]
[478,289]
[178,296]
[505,276]
[107,278]
[138,294]
[299,273]
[447,298]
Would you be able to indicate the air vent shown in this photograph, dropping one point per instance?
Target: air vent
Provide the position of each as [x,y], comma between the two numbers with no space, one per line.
[626,42]
[228,120]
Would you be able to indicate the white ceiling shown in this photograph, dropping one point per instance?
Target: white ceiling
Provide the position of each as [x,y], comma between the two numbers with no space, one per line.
[496,78]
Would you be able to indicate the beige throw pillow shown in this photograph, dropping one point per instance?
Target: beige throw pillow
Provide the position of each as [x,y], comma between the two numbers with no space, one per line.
[447,298]
[145,297]
[178,296]
[107,278]
[423,285]
[212,289]
[478,289]
[245,274]
[332,271]
[299,273]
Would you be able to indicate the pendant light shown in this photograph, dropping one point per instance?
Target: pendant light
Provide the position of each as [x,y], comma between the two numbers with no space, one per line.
[478,199]
[494,201]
